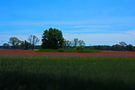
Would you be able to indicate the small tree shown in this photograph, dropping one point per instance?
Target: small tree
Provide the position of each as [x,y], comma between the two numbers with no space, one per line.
[52,39]
[81,43]
[33,40]
[130,47]
[75,42]
[25,45]
[6,45]
[14,41]
[67,43]
[123,44]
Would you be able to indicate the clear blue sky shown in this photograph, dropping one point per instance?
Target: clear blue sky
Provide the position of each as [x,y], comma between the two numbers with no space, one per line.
[95,21]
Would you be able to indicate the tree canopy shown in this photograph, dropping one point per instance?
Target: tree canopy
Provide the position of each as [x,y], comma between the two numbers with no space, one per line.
[52,39]
[14,41]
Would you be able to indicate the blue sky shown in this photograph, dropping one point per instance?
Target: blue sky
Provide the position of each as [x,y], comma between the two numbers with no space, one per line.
[104,22]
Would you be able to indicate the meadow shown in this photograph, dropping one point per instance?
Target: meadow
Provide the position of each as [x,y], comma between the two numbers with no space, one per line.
[69,73]
[69,50]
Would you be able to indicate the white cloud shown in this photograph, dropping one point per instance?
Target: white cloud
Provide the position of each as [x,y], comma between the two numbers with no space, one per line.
[91,22]
[92,31]
[131,32]
[92,26]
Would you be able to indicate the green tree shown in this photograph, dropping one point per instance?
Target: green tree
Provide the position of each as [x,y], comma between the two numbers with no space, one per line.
[52,39]
[67,43]
[130,47]
[14,41]
[6,45]
[81,43]
[25,45]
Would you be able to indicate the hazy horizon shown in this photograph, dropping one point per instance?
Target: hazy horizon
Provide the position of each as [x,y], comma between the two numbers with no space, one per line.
[97,22]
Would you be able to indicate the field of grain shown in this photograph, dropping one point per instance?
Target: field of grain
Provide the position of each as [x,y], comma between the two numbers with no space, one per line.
[19,72]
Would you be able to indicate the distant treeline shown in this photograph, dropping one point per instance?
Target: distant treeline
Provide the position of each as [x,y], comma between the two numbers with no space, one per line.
[122,46]
[116,47]
[52,38]
[18,47]
[112,48]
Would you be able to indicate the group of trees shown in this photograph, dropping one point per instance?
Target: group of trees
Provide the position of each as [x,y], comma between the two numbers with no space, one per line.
[74,43]
[52,38]
[15,42]
[121,46]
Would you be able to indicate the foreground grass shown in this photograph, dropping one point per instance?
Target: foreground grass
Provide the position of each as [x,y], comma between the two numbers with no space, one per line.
[21,73]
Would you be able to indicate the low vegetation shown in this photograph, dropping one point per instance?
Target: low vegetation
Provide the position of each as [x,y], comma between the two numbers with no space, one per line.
[23,73]
[69,50]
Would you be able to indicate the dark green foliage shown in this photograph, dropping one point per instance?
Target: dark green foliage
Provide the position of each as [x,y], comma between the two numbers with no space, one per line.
[21,73]
[15,42]
[130,47]
[116,47]
[6,46]
[78,49]
[68,44]
[52,39]
[25,45]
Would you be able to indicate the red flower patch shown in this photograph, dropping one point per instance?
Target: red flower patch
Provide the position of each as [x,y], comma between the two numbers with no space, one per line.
[64,54]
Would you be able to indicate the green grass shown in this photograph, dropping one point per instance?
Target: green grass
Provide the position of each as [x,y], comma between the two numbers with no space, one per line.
[23,73]
[68,50]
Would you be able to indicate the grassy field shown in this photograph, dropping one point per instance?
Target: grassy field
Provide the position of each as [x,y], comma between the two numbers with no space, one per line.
[27,73]
[69,50]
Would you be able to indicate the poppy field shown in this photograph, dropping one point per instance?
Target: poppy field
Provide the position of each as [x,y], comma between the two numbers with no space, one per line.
[29,70]
[29,53]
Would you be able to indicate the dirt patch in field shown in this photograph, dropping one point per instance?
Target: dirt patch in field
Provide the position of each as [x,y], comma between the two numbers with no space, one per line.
[64,54]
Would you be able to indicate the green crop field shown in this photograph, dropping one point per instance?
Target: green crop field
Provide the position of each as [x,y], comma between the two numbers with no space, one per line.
[69,50]
[27,73]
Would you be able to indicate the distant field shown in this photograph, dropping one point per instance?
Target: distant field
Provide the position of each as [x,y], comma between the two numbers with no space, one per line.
[67,73]
[69,50]
[28,53]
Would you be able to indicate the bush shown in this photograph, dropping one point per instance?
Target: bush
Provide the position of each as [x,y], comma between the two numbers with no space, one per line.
[61,50]
[80,48]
